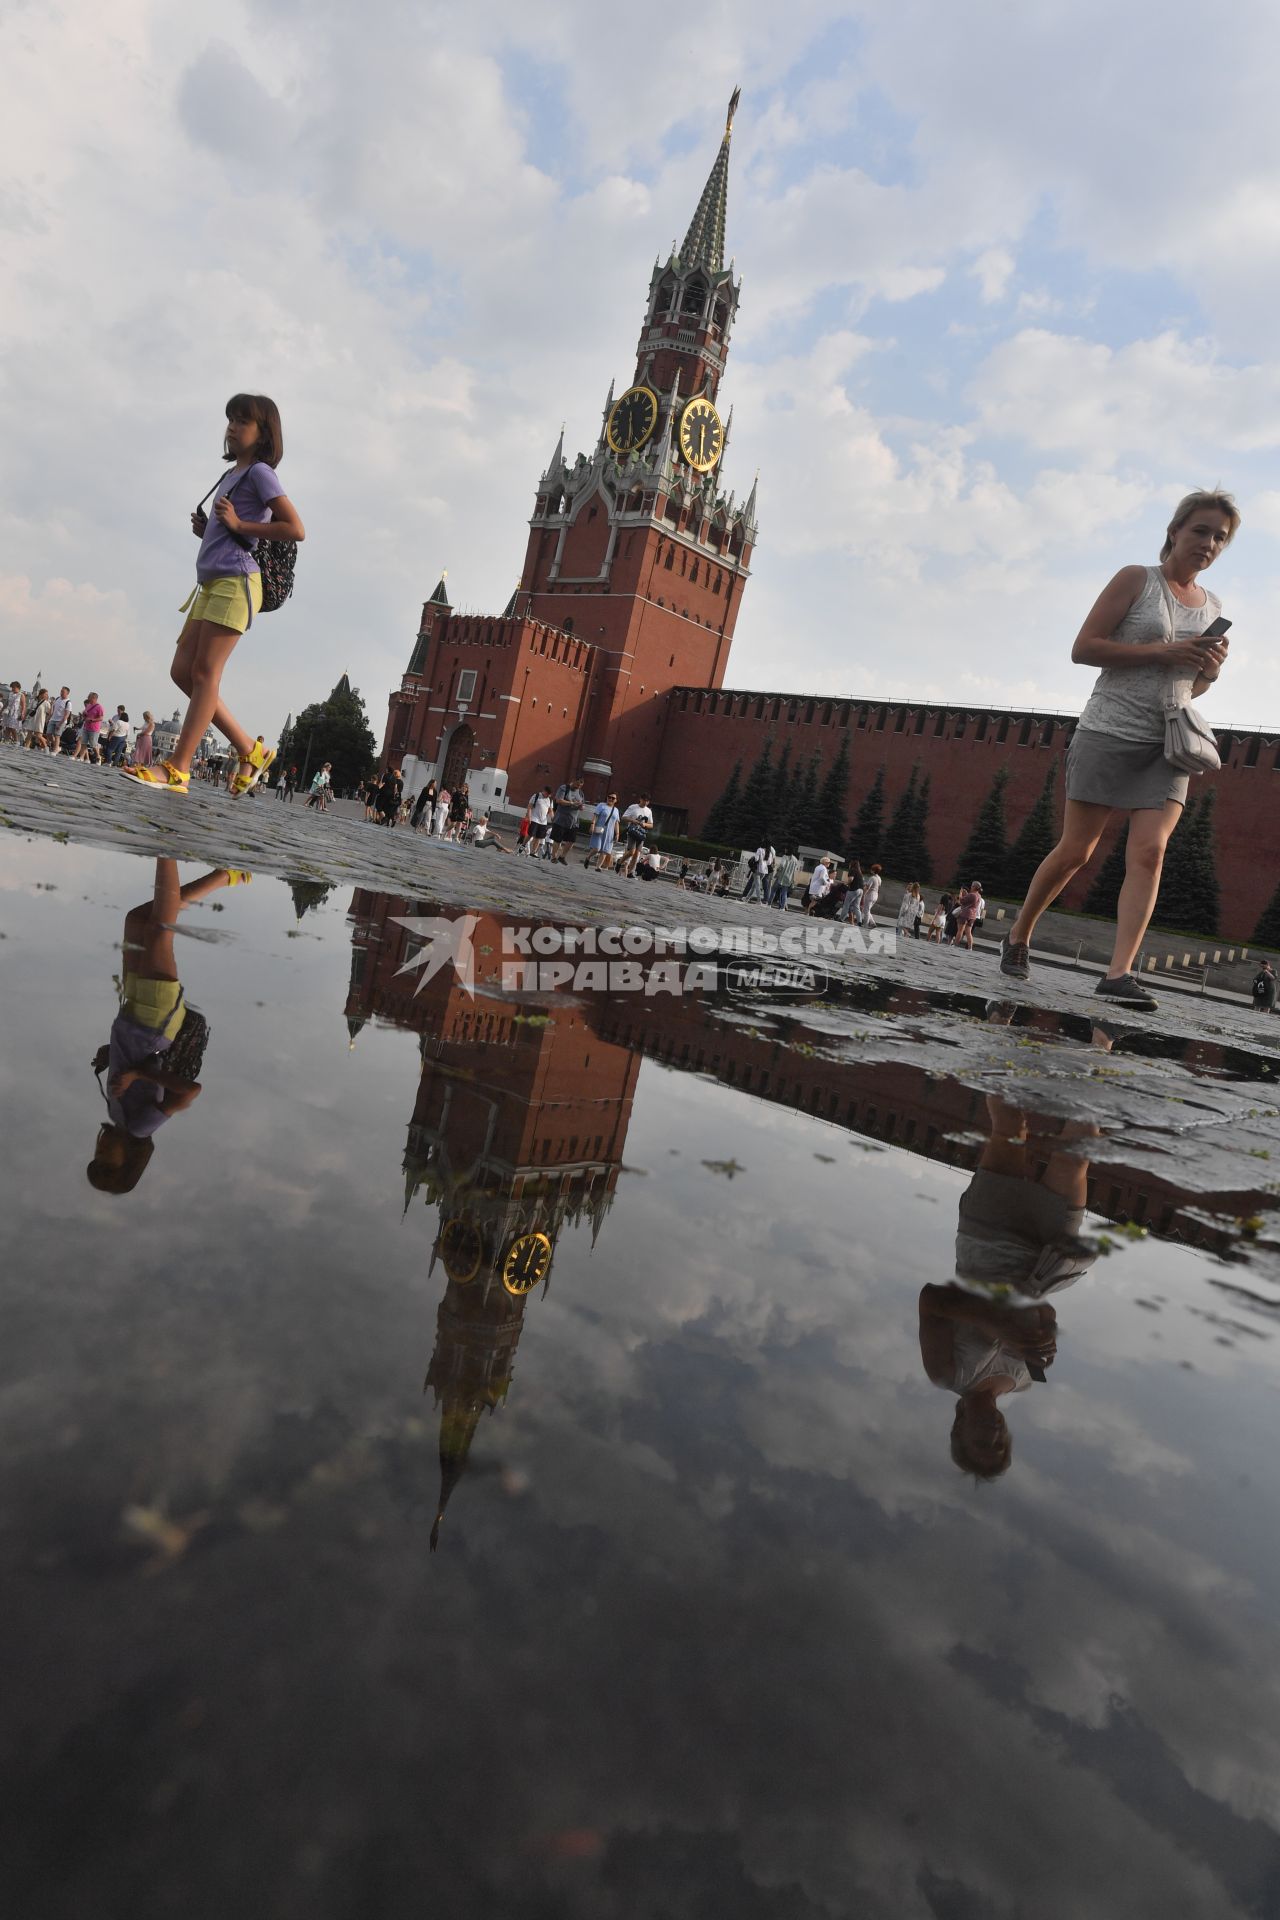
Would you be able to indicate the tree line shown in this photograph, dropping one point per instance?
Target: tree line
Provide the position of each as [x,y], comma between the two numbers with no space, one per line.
[793,805]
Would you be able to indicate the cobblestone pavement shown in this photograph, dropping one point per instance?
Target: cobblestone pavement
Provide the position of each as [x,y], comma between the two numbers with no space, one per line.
[75,801]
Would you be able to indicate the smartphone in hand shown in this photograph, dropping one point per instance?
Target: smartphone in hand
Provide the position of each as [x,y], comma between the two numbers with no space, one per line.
[1216,631]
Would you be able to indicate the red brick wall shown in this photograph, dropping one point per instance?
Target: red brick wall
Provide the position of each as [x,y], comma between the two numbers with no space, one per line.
[706,733]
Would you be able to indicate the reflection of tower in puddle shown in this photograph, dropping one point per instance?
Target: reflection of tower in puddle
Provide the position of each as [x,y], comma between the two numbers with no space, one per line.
[517,1133]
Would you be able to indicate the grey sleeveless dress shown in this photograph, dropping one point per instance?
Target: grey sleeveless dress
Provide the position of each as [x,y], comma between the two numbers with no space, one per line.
[1116,757]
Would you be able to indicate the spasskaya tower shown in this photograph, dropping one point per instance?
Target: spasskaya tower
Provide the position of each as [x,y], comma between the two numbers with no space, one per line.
[633,572]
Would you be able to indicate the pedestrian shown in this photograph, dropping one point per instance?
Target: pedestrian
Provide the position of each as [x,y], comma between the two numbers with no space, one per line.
[142,745]
[604,829]
[569,802]
[117,737]
[424,804]
[90,728]
[819,882]
[783,879]
[636,822]
[387,797]
[59,714]
[154,1057]
[870,894]
[937,923]
[36,721]
[290,783]
[966,912]
[911,910]
[459,811]
[539,820]
[13,714]
[228,591]
[1264,988]
[1156,635]
[440,818]
[848,909]
[319,794]
[760,867]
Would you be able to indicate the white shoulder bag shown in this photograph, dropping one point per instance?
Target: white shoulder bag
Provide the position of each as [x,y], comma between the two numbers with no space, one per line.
[1189,745]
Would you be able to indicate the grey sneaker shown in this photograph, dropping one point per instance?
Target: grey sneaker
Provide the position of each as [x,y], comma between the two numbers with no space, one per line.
[1015,958]
[1128,991]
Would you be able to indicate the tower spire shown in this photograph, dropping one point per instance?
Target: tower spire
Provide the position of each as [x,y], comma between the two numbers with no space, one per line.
[704,242]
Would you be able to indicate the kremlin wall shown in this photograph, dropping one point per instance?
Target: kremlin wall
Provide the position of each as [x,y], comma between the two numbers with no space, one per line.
[962,747]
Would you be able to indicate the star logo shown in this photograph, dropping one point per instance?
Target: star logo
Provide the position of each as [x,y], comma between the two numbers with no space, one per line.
[447,942]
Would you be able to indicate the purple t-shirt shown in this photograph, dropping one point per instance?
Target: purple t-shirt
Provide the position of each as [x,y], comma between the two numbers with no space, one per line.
[220,551]
[93,716]
[140,1109]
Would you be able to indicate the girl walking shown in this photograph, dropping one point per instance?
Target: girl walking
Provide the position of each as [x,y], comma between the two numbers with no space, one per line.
[249,505]
[966,913]
[142,745]
[911,910]
[1156,635]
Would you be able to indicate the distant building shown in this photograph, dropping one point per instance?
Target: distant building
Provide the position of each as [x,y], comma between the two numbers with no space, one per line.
[165,739]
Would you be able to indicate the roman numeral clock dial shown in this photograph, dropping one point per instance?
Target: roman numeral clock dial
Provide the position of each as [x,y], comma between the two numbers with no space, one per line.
[701,435]
[632,419]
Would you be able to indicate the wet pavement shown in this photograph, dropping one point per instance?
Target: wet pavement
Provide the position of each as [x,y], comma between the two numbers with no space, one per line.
[613,1454]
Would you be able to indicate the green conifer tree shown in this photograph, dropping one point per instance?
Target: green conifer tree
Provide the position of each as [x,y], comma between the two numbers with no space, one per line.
[1189,895]
[1267,931]
[829,806]
[804,817]
[751,823]
[988,845]
[780,816]
[724,810]
[1037,837]
[919,857]
[336,730]
[1105,891]
[868,828]
[897,853]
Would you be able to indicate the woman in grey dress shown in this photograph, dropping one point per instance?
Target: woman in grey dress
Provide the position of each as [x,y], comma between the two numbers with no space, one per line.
[1147,634]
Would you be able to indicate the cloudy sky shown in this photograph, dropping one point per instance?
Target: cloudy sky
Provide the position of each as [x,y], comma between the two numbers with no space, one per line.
[1009,285]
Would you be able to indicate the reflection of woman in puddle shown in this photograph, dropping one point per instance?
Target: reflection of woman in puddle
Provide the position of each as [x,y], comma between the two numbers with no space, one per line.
[152,1060]
[1018,1240]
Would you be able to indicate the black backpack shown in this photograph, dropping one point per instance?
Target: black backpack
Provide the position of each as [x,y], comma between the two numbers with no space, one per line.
[276,558]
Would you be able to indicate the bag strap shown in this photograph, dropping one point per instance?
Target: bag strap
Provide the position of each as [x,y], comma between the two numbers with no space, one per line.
[221,477]
[248,545]
[1172,704]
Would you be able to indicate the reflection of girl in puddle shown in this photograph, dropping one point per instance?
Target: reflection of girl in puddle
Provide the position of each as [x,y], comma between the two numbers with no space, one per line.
[1018,1240]
[152,1060]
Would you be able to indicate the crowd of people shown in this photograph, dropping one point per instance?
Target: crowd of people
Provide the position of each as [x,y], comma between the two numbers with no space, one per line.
[44,722]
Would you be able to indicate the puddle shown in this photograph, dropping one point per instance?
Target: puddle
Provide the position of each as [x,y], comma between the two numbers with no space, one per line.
[610,1456]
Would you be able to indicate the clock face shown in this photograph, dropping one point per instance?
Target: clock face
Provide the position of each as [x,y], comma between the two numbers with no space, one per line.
[461,1249]
[632,419]
[701,435]
[528,1260]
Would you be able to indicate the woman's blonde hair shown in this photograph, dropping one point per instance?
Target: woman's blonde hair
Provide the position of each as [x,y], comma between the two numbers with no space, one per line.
[1196,503]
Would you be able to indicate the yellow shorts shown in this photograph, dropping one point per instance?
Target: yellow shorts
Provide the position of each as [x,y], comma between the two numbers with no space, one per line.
[155,1003]
[229,601]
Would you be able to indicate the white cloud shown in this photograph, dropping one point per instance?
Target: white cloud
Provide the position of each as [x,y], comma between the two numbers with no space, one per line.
[993,270]
[366,215]
[1160,398]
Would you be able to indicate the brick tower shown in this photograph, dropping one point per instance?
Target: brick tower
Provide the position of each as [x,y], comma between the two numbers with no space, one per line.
[634,546]
[633,573]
